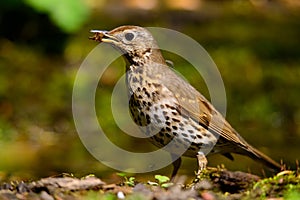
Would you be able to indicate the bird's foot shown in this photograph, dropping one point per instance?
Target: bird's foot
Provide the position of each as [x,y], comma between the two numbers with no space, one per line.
[202,162]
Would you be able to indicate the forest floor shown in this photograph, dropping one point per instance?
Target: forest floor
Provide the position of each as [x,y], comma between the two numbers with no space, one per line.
[211,184]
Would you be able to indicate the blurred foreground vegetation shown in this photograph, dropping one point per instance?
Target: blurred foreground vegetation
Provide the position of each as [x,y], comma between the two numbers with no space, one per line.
[255,45]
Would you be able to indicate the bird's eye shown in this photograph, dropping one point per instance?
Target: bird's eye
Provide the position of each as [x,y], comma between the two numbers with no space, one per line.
[129,36]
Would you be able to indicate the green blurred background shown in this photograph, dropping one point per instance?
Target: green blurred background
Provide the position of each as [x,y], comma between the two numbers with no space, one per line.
[255,44]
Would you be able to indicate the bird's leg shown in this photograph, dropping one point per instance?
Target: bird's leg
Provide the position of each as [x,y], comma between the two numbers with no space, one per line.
[202,162]
[176,165]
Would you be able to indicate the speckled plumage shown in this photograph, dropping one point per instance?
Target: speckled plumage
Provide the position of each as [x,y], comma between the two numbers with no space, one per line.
[165,104]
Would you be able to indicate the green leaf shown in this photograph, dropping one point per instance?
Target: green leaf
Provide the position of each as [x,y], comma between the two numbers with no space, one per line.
[122,174]
[161,179]
[131,179]
[69,15]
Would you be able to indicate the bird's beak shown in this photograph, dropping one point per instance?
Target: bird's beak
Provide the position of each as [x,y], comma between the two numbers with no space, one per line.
[103,36]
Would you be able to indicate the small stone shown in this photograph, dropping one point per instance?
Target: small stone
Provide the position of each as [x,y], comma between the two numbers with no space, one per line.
[120,195]
[203,185]
[45,196]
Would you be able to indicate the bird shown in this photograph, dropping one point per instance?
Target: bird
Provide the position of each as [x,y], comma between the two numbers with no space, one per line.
[161,100]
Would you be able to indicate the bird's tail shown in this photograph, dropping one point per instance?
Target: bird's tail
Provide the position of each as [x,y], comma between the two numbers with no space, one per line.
[264,159]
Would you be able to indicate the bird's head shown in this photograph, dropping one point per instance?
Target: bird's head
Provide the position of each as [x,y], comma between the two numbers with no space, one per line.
[136,43]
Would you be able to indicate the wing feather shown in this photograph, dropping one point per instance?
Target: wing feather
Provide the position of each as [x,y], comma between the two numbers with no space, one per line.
[195,105]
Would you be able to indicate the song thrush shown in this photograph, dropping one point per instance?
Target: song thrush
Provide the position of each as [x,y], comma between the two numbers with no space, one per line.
[161,100]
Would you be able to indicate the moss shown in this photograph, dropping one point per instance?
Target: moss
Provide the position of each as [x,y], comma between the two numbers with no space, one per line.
[285,183]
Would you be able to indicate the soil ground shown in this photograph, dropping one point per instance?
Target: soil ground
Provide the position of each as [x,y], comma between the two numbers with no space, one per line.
[213,183]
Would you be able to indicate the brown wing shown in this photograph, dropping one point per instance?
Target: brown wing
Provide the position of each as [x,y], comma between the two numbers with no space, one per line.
[195,105]
[206,115]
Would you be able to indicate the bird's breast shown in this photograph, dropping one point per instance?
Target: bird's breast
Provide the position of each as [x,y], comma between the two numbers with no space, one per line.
[154,108]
